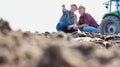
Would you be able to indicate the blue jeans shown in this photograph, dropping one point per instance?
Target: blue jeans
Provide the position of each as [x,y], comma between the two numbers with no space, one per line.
[90,29]
[61,27]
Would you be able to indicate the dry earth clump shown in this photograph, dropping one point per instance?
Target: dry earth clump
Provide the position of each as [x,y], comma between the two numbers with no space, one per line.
[58,49]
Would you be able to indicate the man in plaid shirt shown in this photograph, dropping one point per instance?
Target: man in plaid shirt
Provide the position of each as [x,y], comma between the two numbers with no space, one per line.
[86,22]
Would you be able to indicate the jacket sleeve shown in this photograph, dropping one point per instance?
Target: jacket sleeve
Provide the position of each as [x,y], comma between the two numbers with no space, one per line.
[64,12]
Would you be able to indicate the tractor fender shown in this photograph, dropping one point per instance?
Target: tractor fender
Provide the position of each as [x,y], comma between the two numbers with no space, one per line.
[110,15]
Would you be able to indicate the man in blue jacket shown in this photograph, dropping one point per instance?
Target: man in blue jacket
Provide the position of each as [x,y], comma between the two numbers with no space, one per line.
[68,20]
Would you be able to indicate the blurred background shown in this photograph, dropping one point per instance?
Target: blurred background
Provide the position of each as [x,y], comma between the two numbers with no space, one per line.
[43,15]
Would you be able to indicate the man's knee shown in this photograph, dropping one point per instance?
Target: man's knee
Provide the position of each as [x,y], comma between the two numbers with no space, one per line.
[59,26]
[86,29]
[90,29]
[96,30]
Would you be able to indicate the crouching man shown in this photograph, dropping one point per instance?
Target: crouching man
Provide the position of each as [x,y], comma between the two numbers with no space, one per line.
[68,20]
[86,22]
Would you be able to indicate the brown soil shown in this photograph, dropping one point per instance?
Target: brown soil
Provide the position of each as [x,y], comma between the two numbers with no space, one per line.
[58,49]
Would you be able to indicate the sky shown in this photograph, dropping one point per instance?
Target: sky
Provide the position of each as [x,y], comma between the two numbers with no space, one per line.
[43,15]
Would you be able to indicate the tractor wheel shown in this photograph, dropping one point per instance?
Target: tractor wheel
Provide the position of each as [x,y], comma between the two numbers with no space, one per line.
[110,25]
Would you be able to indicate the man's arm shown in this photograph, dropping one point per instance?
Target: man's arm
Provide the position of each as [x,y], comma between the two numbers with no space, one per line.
[86,20]
[83,25]
[80,26]
[75,19]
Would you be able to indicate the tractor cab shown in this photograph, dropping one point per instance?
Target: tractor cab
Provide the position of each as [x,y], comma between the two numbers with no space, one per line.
[112,6]
[111,19]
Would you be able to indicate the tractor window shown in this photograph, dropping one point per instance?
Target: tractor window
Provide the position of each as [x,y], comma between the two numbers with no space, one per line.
[113,6]
[119,7]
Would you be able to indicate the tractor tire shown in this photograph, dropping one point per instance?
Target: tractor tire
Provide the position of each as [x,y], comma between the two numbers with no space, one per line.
[110,25]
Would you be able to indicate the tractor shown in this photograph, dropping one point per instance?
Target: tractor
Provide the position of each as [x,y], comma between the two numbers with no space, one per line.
[110,23]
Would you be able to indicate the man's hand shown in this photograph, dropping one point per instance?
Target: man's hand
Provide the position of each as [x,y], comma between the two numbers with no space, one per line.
[80,26]
[63,5]
[76,27]
[70,26]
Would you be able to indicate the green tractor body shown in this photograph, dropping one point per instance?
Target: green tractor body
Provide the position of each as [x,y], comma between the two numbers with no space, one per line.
[111,20]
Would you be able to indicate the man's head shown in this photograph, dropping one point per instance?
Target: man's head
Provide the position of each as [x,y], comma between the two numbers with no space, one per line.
[81,9]
[73,7]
